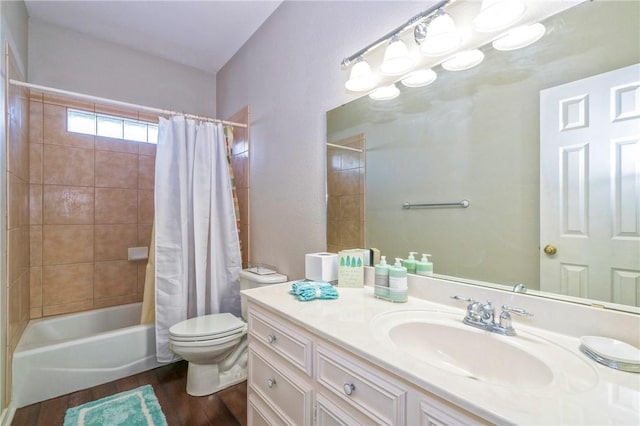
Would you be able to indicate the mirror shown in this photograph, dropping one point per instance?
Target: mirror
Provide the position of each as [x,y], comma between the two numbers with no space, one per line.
[476,135]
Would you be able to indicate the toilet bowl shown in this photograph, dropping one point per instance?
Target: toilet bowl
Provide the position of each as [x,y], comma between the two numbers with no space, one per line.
[215,346]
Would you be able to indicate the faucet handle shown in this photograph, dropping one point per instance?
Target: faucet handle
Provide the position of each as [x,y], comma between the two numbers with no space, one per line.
[517,311]
[464,299]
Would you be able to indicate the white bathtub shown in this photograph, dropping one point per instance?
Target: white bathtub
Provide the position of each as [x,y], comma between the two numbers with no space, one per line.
[66,353]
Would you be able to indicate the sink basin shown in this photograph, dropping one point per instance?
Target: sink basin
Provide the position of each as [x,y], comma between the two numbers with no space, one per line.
[440,339]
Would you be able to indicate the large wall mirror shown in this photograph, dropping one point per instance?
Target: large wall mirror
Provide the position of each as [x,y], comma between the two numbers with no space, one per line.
[544,142]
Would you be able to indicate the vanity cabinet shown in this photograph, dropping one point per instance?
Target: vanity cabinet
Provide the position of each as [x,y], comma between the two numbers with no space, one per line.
[296,377]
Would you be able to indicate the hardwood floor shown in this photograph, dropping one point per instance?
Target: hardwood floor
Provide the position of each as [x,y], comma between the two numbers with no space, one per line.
[227,407]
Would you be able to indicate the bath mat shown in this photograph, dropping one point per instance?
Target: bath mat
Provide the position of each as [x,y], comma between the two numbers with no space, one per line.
[137,407]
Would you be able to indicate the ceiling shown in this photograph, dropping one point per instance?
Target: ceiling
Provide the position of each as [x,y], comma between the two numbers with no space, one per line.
[202,34]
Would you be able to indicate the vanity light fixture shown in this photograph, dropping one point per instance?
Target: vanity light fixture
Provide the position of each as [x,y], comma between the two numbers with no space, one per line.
[419,78]
[520,37]
[442,37]
[385,93]
[361,78]
[396,58]
[463,60]
[497,15]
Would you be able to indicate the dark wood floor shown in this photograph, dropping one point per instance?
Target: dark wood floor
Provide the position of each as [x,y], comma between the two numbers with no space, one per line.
[227,407]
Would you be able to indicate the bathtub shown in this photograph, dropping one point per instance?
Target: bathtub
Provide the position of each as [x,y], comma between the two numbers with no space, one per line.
[66,353]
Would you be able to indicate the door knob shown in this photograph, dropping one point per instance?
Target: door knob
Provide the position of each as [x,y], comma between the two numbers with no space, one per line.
[550,249]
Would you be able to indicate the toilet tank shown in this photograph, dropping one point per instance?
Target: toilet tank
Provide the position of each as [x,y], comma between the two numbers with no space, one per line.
[255,277]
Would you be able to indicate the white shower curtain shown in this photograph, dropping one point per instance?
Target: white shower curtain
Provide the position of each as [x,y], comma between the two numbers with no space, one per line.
[197,246]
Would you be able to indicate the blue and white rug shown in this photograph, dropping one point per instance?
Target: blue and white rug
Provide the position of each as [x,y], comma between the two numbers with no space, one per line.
[137,407]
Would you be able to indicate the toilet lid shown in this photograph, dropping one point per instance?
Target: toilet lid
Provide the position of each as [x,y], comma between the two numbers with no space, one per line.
[207,326]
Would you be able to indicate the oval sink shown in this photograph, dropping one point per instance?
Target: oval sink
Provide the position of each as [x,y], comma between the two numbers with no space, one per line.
[441,340]
[471,354]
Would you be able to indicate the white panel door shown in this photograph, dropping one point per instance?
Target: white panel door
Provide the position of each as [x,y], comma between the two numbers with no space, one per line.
[590,187]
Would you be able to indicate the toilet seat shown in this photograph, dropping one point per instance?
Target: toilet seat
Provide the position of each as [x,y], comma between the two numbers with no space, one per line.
[207,328]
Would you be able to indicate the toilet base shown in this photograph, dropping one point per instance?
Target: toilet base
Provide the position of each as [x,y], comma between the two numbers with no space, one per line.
[205,379]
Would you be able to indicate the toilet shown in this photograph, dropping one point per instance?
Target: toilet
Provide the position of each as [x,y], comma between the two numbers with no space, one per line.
[215,346]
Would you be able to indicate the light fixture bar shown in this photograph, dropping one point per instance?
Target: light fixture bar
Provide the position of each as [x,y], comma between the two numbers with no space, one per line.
[346,62]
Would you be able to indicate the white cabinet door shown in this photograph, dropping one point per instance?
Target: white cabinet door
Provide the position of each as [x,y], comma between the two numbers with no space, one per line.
[590,187]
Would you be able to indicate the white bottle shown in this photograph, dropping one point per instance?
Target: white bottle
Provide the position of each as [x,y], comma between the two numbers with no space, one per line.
[398,276]
[424,266]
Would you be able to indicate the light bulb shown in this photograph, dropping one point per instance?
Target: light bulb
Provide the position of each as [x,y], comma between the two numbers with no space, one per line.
[520,37]
[385,93]
[463,60]
[419,78]
[442,36]
[361,78]
[497,15]
[396,58]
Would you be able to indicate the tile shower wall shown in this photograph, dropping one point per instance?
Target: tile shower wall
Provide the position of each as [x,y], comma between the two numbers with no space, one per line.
[345,195]
[17,218]
[240,166]
[90,199]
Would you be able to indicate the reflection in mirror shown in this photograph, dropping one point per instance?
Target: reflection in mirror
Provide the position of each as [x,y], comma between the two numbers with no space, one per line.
[531,144]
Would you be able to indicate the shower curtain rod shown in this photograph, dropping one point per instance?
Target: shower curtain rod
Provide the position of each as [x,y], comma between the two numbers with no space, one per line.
[113,102]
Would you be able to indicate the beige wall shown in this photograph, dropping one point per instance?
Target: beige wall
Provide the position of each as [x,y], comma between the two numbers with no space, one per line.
[91,198]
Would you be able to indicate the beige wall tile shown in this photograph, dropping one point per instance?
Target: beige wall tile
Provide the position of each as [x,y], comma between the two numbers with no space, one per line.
[147,148]
[64,284]
[68,205]
[117,278]
[116,169]
[144,235]
[240,166]
[35,162]
[116,145]
[350,207]
[25,306]
[65,165]
[116,206]
[112,241]
[117,111]
[64,244]
[35,286]
[65,101]
[149,118]
[55,129]
[13,201]
[333,208]
[36,312]
[35,95]
[35,122]
[243,204]
[14,314]
[146,172]
[67,308]
[35,249]
[115,301]
[145,207]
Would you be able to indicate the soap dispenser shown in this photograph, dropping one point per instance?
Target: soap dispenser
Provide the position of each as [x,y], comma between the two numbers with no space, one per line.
[381,283]
[410,263]
[424,266]
[398,282]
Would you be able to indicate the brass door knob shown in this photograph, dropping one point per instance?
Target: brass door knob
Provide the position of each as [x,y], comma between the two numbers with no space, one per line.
[550,249]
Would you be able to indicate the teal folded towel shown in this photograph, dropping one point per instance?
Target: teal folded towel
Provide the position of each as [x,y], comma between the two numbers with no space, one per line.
[295,287]
[307,290]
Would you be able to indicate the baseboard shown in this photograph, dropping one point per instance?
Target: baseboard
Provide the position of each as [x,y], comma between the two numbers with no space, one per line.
[6,417]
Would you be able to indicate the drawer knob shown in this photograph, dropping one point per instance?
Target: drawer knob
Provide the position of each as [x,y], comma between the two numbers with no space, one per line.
[271,382]
[271,338]
[349,388]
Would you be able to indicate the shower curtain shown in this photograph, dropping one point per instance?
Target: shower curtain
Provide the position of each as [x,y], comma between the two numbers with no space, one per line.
[197,250]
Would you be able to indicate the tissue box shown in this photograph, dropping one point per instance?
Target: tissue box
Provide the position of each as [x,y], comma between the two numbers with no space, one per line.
[321,266]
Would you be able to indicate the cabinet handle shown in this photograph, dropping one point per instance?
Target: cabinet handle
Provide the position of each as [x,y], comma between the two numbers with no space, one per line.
[271,338]
[271,382]
[349,388]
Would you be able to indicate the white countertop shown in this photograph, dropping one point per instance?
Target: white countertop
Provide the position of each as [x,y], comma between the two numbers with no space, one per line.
[603,396]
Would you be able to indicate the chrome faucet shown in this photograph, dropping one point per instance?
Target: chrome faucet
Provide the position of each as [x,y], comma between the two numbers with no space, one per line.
[482,316]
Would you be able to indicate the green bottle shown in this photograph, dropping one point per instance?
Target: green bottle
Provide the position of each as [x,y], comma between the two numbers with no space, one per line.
[423,266]
[410,263]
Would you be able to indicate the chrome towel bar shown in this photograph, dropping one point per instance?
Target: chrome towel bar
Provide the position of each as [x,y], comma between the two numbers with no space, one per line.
[463,204]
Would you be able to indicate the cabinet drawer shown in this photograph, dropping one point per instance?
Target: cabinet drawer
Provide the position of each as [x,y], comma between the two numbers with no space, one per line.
[332,413]
[259,413]
[284,340]
[286,392]
[437,413]
[375,395]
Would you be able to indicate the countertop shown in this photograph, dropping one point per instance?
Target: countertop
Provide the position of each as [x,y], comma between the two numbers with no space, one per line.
[600,396]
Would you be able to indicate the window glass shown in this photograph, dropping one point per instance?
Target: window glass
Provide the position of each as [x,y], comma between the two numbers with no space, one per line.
[109,127]
[81,122]
[153,133]
[135,131]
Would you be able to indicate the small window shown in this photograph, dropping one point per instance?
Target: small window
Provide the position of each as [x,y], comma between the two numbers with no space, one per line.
[111,126]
